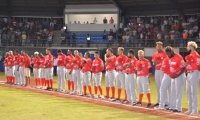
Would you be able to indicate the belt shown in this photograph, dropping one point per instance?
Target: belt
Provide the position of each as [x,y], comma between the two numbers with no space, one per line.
[109,70]
[77,69]
[85,71]
[120,70]
[190,71]
[130,73]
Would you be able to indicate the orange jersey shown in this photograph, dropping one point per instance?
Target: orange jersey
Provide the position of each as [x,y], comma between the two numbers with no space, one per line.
[42,64]
[68,60]
[76,62]
[11,60]
[159,56]
[111,63]
[133,62]
[120,60]
[61,60]
[192,61]
[36,62]
[21,61]
[143,67]
[176,64]
[27,60]
[49,60]
[87,65]
[16,62]
[97,65]
[165,66]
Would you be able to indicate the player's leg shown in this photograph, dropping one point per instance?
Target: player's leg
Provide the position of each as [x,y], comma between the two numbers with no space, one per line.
[23,76]
[74,76]
[68,81]
[94,78]
[98,79]
[88,77]
[122,79]
[147,90]
[140,90]
[59,78]
[29,76]
[51,78]
[84,83]
[63,78]
[107,84]
[119,86]
[112,82]
[158,84]
[132,83]
[128,87]
[80,81]
[189,93]
[46,78]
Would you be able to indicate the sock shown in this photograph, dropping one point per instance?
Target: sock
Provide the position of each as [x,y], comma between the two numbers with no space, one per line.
[51,83]
[107,91]
[14,79]
[84,89]
[39,82]
[149,97]
[69,84]
[119,92]
[47,83]
[140,97]
[125,94]
[11,79]
[36,82]
[42,82]
[90,89]
[72,83]
[100,90]
[113,91]
[95,90]
[7,78]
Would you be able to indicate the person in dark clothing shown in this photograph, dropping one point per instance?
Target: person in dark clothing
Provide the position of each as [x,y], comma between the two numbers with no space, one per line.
[74,40]
[105,20]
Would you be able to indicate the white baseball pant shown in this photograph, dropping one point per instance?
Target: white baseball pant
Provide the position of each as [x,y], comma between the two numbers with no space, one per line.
[36,72]
[86,78]
[97,79]
[6,71]
[61,77]
[11,71]
[16,72]
[68,76]
[120,79]
[192,84]
[177,87]
[165,85]
[110,78]
[21,74]
[130,82]
[48,73]
[42,73]
[76,76]
[143,84]
[158,79]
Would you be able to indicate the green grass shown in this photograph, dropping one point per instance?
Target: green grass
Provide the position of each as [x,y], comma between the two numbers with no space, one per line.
[23,105]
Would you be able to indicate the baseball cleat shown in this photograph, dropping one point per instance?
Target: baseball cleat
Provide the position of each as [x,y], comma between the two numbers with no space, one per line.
[116,100]
[102,97]
[138,104]
[187,112]
[68,92]
[157,104]
[166,105]
[158,108]
[134,103]
[176,111]
[111,99]
[148,105]
[125,102]
[194,114]
[96,96]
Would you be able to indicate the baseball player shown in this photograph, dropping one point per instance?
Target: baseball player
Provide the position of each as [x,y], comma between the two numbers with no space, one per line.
[76,72]
[86,67]
[120,76]
[157,59]
[97,68]
[130,80]
[11,60]
[110,60]
[27,64]
[6,67]
[143,67]
[165,85]
[42,70]
[69,67]
[36,70]
[61,71]
[48,65]
[21,69]
[16,64]
[192,80]
[177,67]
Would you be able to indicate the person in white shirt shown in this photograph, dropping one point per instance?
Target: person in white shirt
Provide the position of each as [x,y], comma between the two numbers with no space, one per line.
[95,21]
[159,36]
[151,20]
[138,19]
[55,61]
[147,25]
[114,31]
[110,40]
[120,27]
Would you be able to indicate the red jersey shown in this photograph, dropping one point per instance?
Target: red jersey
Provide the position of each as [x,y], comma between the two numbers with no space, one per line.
[165,66]
[176,64]
[97,65]
[36,62]
[111,63]
[17,57]
[6,62]
[133,62]
[11,60]
[61,60]
[143,65]
[192,61]
[87,65]
[42,64]
[76,62]
[159,56]
[68,60]
[21,61]
[27,60]
[120,60]
[49,60]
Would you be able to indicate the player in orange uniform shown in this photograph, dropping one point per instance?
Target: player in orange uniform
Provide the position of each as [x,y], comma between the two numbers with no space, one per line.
[11,60]
[69,67]
[110,60]
[27,64]
[22,69]
[36,70]
[86,67]
[130,81]
[120,76]
[61,71]
[97,68]
[157,59]
[42,70]
[143,67]
[177,68]
[49,69]
[192,81]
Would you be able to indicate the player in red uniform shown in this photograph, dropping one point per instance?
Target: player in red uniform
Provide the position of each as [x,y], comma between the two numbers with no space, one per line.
[41,67]
[143,67]
[157,59]
[27,63]
[69,68]
[192,81]
[16,64]
[177,68]
[11,60]
[36,70]
[6,67]
[22,69]
[86,67]
[97,68]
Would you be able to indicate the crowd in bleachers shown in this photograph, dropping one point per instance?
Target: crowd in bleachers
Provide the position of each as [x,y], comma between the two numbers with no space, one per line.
[21,31]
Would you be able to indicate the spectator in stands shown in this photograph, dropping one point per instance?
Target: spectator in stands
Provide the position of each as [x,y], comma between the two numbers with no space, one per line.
[120,27]
[195,31]
[110,40]
[105,20]
[127,37]
[43,38]
[172,38]
[111,20]
[95,21]
[74,40]
[111,32]
[114,32]
[104,34]
[50,40]
[87,22]
[51,24]
[185,38]
[34,38]
[24,37]
[75,22]
[120,39]
[88,40]
[63,40]
[159,36]
[8,36]
[12,38]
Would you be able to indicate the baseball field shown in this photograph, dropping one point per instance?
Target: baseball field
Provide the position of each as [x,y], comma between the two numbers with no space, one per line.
[20,103]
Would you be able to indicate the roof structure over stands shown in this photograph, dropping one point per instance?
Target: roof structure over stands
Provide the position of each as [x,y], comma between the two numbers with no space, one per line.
[128,7]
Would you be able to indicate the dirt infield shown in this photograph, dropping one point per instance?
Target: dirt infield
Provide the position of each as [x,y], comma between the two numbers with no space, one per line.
[137,109]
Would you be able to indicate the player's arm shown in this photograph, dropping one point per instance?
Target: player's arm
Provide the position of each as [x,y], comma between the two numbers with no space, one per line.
[182,66]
